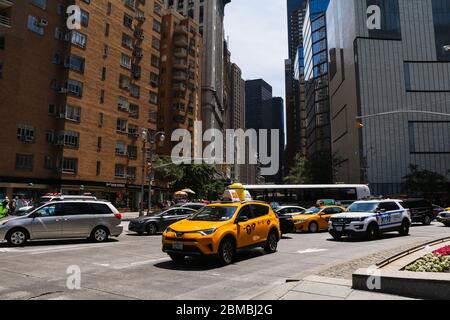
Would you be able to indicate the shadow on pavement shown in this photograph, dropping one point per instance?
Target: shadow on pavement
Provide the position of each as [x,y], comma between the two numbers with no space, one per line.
[361,239]
[39,243]
[205,263]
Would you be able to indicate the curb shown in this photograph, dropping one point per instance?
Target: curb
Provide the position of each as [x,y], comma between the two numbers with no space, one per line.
[407,284]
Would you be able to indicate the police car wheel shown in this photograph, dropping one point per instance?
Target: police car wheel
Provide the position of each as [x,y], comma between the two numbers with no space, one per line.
[372,232]
[336,236]
[427,220]
[404,229]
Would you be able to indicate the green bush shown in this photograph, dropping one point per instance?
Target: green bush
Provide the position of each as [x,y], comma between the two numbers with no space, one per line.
[430,263]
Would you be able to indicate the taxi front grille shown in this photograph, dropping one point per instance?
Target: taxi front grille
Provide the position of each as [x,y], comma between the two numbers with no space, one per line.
[180,239]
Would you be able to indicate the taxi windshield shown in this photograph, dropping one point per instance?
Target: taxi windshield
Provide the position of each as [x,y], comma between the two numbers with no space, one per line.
[363,207]
[312,210]
[212,213]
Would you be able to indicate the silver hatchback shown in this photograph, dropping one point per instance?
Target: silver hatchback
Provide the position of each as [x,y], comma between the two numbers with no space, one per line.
[96,220]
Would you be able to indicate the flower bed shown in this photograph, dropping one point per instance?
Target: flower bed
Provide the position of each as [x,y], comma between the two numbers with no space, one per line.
[433,262]
[445,251]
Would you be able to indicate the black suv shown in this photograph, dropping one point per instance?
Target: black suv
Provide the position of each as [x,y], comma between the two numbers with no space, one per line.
[421,210]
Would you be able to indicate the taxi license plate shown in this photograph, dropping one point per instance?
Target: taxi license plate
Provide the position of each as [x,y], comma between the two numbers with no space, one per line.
[177,245]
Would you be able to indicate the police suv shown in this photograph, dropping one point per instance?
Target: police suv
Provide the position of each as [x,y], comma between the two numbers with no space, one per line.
[371,218]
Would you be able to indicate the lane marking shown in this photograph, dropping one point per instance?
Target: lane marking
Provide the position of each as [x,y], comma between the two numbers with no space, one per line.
[311,250]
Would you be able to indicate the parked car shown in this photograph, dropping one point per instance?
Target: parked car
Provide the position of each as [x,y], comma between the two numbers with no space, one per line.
[285,215]
[371,218]
[316,219]
[159,221]
[444,217]
[220,229]
[190,205]
[96,220]
[421,210]
[437,209]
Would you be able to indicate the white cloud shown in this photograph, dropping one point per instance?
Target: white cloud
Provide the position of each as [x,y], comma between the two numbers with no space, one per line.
[257,31]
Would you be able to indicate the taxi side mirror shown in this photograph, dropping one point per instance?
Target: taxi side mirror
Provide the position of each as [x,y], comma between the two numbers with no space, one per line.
[242,219]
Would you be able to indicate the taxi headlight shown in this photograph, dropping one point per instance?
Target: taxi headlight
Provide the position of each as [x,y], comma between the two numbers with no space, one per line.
[207,232]
[169,230]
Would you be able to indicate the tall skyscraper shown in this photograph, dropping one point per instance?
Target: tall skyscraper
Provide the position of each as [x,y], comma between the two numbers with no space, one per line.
[209,14]
[73,101]
[295,17]
[264,112]
[402,66]
[278,124]
[317,108]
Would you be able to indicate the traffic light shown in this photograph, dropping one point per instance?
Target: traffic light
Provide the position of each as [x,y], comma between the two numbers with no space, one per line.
[148,168]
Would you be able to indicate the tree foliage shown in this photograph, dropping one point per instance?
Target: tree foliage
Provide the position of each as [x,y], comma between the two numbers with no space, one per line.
[424,182]
[203,179]
[317,169]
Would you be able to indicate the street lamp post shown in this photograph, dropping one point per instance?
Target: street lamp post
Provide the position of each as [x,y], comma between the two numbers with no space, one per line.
[148,138]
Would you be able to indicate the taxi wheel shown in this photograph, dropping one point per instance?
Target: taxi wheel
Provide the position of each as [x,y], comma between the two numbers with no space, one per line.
[177,258]
[226,251]
[313,227]
[272,243]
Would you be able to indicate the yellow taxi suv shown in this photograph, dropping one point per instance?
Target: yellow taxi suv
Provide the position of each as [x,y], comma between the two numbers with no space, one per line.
[220,229]
[315,219]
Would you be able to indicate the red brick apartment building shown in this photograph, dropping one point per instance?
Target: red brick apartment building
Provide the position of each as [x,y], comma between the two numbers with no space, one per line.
[73,102]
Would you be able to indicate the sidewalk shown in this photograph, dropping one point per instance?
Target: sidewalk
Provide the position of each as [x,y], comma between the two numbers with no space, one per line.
[321,288]
[128,216]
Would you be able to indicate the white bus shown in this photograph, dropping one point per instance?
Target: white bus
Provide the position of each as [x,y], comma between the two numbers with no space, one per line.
[307,195]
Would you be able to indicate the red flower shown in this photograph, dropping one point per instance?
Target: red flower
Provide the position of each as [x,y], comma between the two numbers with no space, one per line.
[445,251]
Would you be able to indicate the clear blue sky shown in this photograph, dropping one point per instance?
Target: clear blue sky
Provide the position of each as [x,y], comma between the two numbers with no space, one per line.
[257,31]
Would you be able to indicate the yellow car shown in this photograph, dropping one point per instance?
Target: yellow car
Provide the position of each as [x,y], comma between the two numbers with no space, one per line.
[316,219]
[220,229]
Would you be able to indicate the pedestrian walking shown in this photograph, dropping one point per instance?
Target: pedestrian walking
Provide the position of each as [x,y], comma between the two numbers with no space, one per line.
[3,209]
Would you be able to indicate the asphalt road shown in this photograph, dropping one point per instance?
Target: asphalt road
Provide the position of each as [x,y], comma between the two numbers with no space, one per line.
[133,267]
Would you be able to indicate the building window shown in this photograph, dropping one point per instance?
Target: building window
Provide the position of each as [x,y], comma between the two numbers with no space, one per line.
[153,97]
[79,39]
[155,61]
[105,51]
[125,61]
[1,70]
[75,88]
[121,126]
[124,82]
[132,152]
[103,74]
[134,111]
[128,21]
[123,104]
[109,8]
[48,163]
[119,171]
[98,169]
[154,79]
[35,25]
[100,119]
[74,63]
[102,96]
[25,133]
[135,91]
[69,165]
[441,17]
[121,148]
[40,4]
[50,136]
[107,30]
[131,173]
[133,130]
[99,144]
[390,20]
[127,41]
[69,139]
[52,109]
[72,113]
[156,43]
[84,18]
[2,42]
[24,162]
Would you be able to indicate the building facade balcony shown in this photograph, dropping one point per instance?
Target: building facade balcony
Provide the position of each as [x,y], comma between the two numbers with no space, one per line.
[181,42]
[180,53]
[179,76]
[181,30]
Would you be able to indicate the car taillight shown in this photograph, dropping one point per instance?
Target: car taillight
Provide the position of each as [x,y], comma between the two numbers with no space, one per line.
[118,216]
